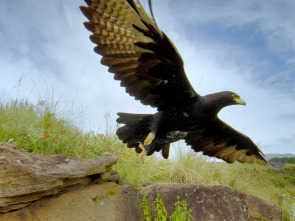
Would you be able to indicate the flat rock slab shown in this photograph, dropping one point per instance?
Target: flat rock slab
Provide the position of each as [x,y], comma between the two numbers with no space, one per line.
[213,202]
[26,177]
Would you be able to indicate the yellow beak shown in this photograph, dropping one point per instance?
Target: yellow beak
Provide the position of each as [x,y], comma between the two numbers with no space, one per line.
[240,101]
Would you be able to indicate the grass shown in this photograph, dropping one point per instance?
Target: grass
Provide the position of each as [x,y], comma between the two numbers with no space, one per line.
[288,207]
[40,129]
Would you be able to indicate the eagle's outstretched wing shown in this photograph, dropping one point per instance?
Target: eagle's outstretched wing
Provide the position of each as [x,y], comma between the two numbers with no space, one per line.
[218,139]
[139,54]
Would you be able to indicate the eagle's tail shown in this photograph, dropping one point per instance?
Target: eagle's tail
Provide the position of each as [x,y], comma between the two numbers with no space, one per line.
[135,130]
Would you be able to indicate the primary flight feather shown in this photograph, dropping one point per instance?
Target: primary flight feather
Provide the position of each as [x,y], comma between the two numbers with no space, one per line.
[150,68]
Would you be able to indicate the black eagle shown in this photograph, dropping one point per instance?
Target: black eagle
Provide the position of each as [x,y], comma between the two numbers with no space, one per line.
[149,66]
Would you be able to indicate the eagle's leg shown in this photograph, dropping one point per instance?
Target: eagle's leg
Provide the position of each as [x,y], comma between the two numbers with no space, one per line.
[142,155]
[145,147]
[148,140]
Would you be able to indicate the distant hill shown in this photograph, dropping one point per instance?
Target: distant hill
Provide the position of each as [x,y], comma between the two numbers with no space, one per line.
[278,155]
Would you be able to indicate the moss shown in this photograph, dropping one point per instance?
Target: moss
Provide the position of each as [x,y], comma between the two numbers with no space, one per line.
[107,191]
[258,216]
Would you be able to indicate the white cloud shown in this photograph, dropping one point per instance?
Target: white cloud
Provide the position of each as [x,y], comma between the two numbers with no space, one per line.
[274,18]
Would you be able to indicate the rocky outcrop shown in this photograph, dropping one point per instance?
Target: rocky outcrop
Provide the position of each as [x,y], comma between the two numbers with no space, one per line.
[212,202]
[26,177]
[56,187]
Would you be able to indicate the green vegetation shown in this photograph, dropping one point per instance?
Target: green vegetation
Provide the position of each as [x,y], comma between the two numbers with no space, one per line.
[181,212]
[42,129]
[145,209]
[290,160]
[160,211]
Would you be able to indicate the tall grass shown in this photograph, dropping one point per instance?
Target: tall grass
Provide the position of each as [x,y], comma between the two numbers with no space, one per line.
[40,129]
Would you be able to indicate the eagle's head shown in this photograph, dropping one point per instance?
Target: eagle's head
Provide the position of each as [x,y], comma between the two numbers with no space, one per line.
[225,98]
[215,102]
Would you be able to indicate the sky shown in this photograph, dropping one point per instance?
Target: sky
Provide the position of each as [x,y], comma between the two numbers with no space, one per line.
[243,46]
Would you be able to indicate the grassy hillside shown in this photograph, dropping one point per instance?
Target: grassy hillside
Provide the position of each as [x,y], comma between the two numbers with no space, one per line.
[277,155]
[289,160]
[39,129]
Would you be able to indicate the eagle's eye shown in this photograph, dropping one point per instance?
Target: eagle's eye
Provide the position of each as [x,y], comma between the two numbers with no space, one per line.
[235,96]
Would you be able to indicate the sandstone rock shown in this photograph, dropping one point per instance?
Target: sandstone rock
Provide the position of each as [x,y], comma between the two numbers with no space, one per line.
[26,177]
[213,202]
[103,202]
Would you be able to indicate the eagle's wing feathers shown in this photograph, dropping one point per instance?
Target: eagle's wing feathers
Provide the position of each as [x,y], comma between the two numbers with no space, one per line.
[220,140]
[139,54]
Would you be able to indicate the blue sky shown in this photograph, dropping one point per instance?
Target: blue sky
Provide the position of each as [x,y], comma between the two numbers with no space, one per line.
[244,46]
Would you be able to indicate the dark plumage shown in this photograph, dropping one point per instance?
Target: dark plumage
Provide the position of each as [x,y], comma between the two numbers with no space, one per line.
[149,66]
